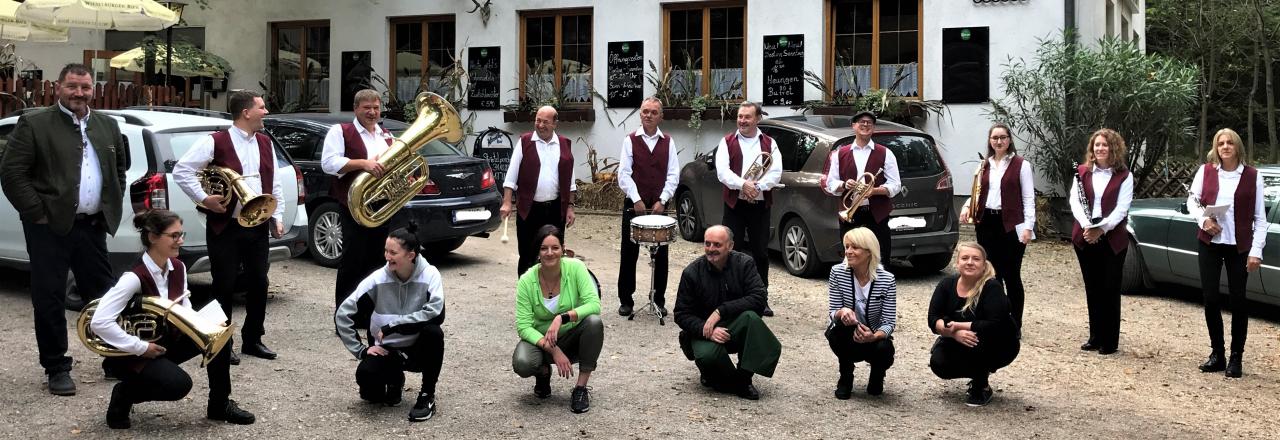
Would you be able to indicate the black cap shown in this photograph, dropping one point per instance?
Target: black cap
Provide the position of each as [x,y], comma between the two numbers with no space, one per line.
[860,114]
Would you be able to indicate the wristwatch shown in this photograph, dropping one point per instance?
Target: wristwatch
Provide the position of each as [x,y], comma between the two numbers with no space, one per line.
[564,318]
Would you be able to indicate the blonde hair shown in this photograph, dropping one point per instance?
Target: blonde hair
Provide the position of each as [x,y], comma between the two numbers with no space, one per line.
[1115,143]
[865,239]
[1243,154]
[988,273]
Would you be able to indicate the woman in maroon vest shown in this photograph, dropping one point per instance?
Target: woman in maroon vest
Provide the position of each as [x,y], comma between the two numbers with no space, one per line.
[152,372]
[1006,217]
[1233,238]
[1100,196]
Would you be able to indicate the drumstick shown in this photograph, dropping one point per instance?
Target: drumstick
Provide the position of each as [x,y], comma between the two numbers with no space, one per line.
[505,238]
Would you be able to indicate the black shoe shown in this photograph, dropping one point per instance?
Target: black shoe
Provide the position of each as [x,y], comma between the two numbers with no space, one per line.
[1216,362]
[749,392]
[767,311]
[235,358]
[706,383]
[875,385]
[625,310]
[393,396]
[424,409]
[1089,346]
[229,412]
[542,385]
[1107,350]
[118,410]
[580,400]
[664,312]
[257,349]
[844,386]
[60,384]
[978,395]
[107,374]
[1234,369]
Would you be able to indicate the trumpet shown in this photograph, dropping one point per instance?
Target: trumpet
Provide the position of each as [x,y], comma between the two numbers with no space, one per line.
[853,197]
[223,181]
[759,167]
[975,213]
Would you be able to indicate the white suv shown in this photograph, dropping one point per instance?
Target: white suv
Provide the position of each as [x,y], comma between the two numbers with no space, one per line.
[155,141]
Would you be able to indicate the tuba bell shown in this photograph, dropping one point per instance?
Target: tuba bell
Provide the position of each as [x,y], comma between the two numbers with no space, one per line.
[759,167]
[155,318]
[853,197]
[373,200]
[225,182]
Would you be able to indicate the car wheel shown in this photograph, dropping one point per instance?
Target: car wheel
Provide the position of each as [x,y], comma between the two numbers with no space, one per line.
[798,253]
[1133,277]
[930,263]
[325,243]
[687,217]
[441,248]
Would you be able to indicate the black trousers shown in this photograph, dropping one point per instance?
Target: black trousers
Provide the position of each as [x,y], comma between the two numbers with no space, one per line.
[234,248]
[862,218]
[540,214]
[879,353]
[952,360]
[1212,258]
[83,251]
[362,250]
[1102,270]
[750,225]
[146,380]
[627,267]
[1005,253]
[380,376]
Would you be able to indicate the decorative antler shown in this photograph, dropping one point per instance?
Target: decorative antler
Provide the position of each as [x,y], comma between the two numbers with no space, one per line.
[485,9]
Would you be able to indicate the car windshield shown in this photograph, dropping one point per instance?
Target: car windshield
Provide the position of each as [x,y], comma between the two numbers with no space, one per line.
[915,153]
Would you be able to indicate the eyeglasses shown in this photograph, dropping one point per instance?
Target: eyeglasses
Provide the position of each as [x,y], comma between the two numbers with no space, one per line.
[865,122]
[999,138]
[175,235]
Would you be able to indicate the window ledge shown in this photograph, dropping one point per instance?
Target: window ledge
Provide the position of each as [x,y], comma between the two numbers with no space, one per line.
[563,115]
[685,113]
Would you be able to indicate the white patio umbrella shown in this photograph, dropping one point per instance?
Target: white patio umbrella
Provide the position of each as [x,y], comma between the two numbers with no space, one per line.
[124,15]
[16,29]
[134,60]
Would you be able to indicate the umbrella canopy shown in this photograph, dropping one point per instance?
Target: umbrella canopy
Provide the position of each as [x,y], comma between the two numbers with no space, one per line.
[124,15]
[13,28]
[188,61]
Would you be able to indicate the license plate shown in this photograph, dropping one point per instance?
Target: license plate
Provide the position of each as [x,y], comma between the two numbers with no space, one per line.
[907,223]
[471,215]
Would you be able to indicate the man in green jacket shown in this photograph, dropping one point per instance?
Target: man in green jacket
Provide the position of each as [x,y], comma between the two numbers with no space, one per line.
[63,170]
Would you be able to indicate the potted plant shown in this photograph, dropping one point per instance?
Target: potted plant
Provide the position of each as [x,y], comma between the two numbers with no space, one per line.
[536,96]
[885,102]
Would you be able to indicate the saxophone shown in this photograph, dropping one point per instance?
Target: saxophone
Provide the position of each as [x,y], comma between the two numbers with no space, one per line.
[975,213]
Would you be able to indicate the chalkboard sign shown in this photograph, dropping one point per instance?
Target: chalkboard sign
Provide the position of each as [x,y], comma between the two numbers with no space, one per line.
[483,71]
[783,69]
[494,146]
[626,73]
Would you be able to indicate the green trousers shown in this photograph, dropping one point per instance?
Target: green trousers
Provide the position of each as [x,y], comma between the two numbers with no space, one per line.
[581,344]
[758,350]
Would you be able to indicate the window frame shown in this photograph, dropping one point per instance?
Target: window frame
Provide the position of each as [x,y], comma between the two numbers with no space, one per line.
[829,46]
[305,26]
[559,15]
[425,21]
[706,7]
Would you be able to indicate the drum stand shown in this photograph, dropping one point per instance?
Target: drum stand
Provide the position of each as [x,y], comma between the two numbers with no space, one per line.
[651,307]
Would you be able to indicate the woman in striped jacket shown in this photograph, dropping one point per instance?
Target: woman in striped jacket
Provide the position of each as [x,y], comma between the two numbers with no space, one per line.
[862,305]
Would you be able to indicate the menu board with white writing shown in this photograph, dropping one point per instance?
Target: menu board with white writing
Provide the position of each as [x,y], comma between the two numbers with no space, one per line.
[783,69]
[626,73]
[483,69]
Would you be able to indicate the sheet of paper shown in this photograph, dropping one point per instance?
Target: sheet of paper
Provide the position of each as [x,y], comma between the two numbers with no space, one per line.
[212,313]
[1216,211]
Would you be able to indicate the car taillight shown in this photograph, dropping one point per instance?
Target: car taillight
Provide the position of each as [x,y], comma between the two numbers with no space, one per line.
[487,181]
[302,189]
[431,189]
[944,182]
[149,192]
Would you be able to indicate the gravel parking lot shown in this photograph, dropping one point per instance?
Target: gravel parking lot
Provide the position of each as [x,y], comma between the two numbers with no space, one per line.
[645,388]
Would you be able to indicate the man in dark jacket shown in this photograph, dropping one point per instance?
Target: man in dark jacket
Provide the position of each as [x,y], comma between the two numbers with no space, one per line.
[718,309]
[63,171]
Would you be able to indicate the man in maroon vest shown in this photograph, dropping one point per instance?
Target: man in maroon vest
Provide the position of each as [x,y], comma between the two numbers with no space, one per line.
[541,178]
[349,149]
[747,202]
[648,173]
[249,153]
[850,162]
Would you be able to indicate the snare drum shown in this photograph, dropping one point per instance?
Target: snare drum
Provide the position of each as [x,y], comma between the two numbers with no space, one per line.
[653,230]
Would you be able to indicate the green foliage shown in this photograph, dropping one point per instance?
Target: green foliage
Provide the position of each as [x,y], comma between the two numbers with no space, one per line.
[183,52]
[884,102]
[665,82]
[1070,91]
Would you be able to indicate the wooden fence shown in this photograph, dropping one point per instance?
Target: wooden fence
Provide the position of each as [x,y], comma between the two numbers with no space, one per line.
[19,94]
[1167,180]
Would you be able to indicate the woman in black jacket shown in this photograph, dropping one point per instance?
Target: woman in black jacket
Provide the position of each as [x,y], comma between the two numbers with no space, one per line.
[970,314]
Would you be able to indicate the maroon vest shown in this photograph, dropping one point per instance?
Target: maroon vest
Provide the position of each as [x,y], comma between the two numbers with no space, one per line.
[530,166]
[649,169]
[224,154]
[1118,238]
[880,205]
[177,278]
[735,163]
[1243,204]
[1010,193]
[354,149]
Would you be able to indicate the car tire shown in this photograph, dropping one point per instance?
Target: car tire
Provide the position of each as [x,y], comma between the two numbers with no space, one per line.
[930,263]
[1133,277]
[799,256]
[325,241]
[687,216]
[442,248]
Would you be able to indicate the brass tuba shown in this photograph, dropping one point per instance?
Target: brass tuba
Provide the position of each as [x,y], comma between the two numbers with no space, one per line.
[373,200]
[256,208]
[853,197]
[759,167]
[975,215]
[152,322]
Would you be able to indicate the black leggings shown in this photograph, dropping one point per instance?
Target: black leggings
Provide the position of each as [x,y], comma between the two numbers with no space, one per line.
[879,353]
[1005,253]
[379,375]
[952,360]
[1212,258]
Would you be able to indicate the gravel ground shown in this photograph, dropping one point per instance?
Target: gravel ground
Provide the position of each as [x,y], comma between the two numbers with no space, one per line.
[645,388]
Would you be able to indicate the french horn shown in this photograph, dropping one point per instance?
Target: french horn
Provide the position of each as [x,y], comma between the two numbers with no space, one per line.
[155,318]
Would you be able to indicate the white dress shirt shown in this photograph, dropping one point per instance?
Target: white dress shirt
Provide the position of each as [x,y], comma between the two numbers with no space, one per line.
[90,200]
[1228,181]
[995,174]
[334,155]
[548,187]
[750,148]
[114,301]
[1101,177]
[861,154]
[246,146]
[628,184]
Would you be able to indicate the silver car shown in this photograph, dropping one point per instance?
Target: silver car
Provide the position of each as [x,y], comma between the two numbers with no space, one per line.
[803,226]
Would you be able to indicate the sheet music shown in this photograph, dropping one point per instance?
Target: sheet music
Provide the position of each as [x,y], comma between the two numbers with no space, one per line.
[1216,211]
[212,314]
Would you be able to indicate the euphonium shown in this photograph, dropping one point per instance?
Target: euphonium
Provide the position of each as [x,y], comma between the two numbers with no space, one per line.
[256,208]
[758,167]
[853,197]
[152,322]
[975,215]
[373,200]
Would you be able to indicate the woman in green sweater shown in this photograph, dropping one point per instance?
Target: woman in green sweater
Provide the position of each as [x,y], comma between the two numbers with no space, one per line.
[558,320]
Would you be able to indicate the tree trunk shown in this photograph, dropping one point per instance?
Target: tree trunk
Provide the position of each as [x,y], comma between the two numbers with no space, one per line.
[1269,77]
[1253,94]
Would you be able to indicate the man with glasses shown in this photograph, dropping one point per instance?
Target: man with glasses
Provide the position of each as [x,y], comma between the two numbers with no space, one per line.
[851,161]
